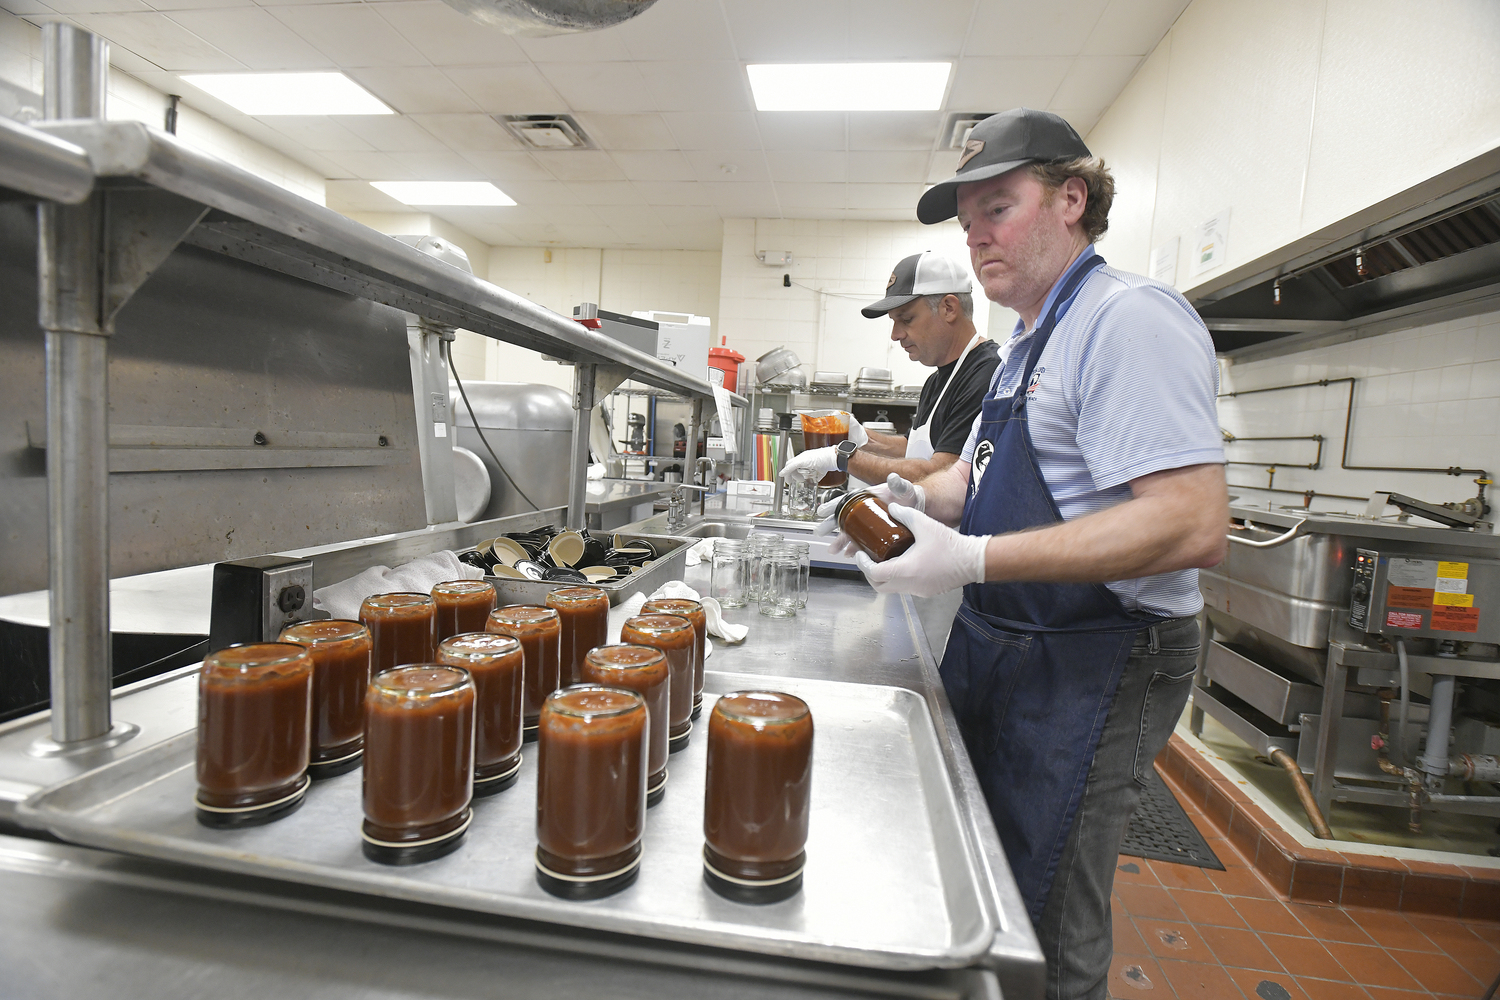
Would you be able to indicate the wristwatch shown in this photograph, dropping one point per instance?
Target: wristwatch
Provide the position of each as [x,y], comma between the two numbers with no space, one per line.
[845,449]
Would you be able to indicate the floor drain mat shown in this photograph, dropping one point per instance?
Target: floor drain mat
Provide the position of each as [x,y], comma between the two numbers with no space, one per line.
[1161,831]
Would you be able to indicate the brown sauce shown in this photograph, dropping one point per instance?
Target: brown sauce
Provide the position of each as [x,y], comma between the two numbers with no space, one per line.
[461,606]
[867,519]
[693,612]
[254,723]
[401,626]
[340,652]
[591,780]
[643,670]
[540,632]
[755,811]
[825,432]
[675,637]
[495,664]
[584,613]
[419,752]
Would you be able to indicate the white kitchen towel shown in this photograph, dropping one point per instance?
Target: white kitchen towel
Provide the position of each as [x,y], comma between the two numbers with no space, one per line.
[700,551]
[342,599]
[727,631]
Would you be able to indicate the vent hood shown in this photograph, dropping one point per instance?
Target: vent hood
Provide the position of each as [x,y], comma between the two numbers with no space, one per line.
[1432,253]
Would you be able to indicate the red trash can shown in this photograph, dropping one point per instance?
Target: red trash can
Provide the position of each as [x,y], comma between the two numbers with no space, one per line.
[726,361]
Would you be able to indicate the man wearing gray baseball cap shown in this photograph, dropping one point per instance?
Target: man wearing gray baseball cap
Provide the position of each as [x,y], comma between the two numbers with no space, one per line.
[930,302]
[1090,491]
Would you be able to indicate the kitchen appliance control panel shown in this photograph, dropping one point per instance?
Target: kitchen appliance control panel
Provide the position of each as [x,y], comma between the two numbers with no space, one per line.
[1414,594]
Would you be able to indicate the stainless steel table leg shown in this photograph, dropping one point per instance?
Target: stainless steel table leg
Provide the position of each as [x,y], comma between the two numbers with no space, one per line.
[1195,716]
[1325,759]
[583,411]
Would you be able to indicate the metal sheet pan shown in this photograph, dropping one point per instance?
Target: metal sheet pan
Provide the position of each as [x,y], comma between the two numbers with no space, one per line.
[669,565]
[891,882]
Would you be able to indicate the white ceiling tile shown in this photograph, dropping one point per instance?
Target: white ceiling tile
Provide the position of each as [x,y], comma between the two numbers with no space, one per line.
[1028,28]
[506,90]
[705,130]
[686,215]
[609,87]
[996,85]
[319,163]
[692,85]
[120,58]
[579,164]
[317,132]
[775,31]
[448,38]
[97,6]
[372,166]
[350,33]
[873,130]
[626,217]
[28,8]
[1132,27]
[805,130]
[533,193]
[605,45]
[1094,81]
[358,196]
[495,236]
[391,133]
[737,165]
[161,40]
[677,194]
[413,89]
[945,164]
[170,5]
[469,132]
[616,132]
[900,197]
[744,200]
[562,215]
[441,166]
[254,37]
[654,165]
[808,166]
[794,196]
[889,165]
[675,30]
[605,193]
[507,167]
[704,236]
[1081,120]
[897,30]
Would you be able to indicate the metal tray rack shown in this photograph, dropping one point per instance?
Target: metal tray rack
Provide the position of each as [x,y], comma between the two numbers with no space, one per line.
[669,565]
[893,880]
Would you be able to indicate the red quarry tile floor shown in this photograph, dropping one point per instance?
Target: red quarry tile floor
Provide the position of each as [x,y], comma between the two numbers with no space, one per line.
[1196,934]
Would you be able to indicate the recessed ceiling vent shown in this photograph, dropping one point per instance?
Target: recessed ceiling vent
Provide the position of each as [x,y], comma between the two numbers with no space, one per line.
[546,132]
[550,17]
[958,126]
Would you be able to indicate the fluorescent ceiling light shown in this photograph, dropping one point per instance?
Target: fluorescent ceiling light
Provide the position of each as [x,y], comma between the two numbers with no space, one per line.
[265,94]
[444,192]
[849,86]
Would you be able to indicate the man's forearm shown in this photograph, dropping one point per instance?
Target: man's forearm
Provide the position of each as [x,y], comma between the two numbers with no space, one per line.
[946,490]
[875,468]
[884,445]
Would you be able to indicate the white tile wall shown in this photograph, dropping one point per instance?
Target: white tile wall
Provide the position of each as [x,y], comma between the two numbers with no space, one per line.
[1428,396]
[837,267]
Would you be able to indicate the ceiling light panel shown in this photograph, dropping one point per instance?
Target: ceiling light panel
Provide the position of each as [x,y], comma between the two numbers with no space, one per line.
[848,86]
[271,94]
[428,193]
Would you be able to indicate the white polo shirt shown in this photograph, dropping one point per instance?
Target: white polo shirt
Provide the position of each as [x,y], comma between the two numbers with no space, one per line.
[1125,387]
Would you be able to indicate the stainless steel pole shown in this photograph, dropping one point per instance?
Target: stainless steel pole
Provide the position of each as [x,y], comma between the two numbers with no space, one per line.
[71,280]
[584,381]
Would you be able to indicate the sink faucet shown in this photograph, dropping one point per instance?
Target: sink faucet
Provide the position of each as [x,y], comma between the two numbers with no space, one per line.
[677,505]
[703,471]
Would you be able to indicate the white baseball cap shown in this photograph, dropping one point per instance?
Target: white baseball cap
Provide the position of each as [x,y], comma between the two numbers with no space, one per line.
[924,273]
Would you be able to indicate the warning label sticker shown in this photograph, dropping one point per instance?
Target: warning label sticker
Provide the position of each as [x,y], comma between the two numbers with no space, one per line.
[1453,570]
[1447,619]
[1454,600]
[1408,597]
[1449,585]
[1419,573]
[1406,619]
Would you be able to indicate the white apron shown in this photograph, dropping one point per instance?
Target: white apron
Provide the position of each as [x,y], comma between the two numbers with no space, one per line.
[919,441]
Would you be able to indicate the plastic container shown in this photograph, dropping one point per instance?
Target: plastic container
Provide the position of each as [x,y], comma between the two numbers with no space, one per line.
[725,361]
[341,652]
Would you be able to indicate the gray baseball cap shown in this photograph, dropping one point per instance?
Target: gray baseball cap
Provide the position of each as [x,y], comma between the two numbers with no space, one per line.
[997,145]
[924,273]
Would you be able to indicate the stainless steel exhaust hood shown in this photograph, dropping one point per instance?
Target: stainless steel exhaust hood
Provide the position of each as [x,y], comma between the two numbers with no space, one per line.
[1429,254]
[550,17]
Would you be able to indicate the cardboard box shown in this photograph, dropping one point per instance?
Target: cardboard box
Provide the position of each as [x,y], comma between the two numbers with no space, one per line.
[682,339]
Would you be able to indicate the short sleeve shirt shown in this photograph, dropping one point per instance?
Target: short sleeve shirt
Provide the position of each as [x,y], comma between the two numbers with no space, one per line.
[955,413]
[1125,387]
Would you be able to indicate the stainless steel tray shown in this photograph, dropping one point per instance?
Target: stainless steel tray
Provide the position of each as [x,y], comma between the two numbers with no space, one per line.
[670,565]
[892,880]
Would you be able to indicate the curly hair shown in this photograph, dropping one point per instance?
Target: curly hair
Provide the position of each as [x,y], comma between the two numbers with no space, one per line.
[1099,181]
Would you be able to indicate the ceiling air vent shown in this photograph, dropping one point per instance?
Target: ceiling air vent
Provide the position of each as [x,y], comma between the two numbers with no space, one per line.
[546,131]
[958,126]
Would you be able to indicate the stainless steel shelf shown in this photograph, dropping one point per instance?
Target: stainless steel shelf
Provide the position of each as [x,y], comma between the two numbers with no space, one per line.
[43,166]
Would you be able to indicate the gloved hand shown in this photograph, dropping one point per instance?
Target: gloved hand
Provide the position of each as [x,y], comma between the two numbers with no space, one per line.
[940,560]
[816,462]
[895,489]
[857,432]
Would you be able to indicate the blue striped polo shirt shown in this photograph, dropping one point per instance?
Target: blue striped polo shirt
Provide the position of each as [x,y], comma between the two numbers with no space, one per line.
[1125,387]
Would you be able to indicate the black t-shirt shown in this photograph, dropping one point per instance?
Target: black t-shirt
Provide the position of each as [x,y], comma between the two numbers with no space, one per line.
[955,415]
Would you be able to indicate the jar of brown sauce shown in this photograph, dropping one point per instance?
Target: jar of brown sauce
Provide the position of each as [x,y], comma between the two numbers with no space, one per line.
[419,762]
[494,662]
[461,606]
[401,626]
[755,810]
[674,636]
[693,612]
[340,651]
[590,791]
[254,733]
[540,632]
[867,519]
[584,612]
[643,670]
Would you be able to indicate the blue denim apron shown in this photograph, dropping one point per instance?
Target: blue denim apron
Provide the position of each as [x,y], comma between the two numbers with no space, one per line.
[1031,668]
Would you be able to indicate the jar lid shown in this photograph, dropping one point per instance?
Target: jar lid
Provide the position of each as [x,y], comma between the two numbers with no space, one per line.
[322,631]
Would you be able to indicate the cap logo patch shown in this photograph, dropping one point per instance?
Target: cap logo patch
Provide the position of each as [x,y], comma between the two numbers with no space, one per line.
[888,284]
[972,148]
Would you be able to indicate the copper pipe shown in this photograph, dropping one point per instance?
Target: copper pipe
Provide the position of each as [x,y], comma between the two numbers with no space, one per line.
[1304,794]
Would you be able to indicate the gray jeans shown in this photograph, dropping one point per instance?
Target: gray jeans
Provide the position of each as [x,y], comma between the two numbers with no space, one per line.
[1075,931]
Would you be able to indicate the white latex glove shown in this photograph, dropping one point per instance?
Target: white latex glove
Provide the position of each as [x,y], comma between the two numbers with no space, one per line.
[895,489]
[857,432]
[815,462]
[940,560]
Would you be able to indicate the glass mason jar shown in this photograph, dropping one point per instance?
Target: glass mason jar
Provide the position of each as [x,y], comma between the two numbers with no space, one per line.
[584,615]
[802,498]
[756,546]
[644,670]
[779,566]
[590,790]
[757,800]
[804,569]
[419,762]
[254,733]
[727,584]
[693,612]
[461,606]
[340,651]
[867,519]
[495,662]
[540,632]
[675,637]
[401,627]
